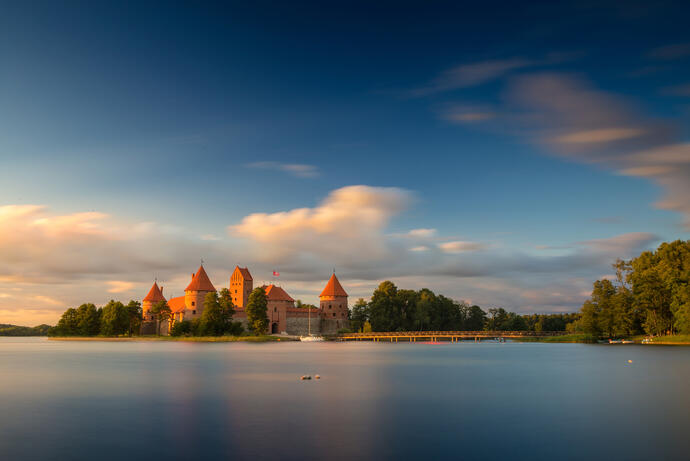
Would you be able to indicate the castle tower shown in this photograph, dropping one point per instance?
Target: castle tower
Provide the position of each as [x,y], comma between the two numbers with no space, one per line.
[333,300]
[155,295]
[195,293]
[241,286]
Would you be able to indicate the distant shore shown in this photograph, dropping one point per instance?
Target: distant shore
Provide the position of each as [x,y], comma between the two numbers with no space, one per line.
[197,339]
[671,340]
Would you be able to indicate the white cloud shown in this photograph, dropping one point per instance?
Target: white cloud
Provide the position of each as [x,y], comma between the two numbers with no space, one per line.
[592,126]
[420,248]
[422,233]
[460,246]
[295,169]
[119,286]
[472,74]
[349,224]
[599,135]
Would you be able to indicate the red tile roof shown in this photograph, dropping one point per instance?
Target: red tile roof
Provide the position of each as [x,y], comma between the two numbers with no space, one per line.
[274,293]
[333,288]
[155,294]
[200,282]
[245,273]
[176,305]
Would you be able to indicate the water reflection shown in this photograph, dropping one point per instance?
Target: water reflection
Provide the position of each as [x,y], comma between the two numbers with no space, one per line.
[104,400]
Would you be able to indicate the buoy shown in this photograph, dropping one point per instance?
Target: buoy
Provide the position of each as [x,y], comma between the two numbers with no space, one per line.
[317,377]
[629,361]
[305,377]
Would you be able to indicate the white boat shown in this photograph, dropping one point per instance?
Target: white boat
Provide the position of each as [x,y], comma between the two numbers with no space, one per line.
[310,337]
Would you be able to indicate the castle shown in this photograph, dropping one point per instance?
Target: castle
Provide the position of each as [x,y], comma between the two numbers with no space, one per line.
[284,317]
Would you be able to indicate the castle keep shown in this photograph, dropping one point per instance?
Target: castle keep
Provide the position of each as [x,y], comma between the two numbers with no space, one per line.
[283,315]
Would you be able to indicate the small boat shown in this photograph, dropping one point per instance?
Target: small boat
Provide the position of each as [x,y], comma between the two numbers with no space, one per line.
[310,338]
[628,341]
[615,341]
[305,377]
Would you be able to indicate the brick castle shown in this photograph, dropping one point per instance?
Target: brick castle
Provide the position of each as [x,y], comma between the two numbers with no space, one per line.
[283,316]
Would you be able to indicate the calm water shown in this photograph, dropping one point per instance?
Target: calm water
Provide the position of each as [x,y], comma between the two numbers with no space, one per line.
[156,400]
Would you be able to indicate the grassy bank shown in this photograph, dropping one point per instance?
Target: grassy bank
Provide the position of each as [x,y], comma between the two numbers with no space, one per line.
[578,338]
[677,340]
[194,339]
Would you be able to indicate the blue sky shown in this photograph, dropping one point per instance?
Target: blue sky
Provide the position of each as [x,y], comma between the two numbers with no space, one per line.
[538,141]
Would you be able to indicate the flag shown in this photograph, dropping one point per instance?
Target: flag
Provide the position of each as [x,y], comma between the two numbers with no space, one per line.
[276,273]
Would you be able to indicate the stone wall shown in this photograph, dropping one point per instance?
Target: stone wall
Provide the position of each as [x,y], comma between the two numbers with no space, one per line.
[300,326]
[331,326]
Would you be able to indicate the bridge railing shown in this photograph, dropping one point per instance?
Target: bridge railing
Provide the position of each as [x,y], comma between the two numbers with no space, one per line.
[482,333]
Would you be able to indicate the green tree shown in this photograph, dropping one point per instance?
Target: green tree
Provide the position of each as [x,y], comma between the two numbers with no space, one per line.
[181,328]
[302,305]
[114,319]
[360,315]
[474,321]
[383,309]
[88,320]
[216,319]
[161,312]
[68,325]
[256,310]
[134,317]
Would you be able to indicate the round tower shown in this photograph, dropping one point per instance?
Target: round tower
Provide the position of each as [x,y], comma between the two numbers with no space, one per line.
[155,295]
[333,301]
[195,293]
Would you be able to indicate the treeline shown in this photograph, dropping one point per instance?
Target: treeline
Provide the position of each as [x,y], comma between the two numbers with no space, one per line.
[16,330]
[113,319]
[650,294]
[117,319]
[393,309]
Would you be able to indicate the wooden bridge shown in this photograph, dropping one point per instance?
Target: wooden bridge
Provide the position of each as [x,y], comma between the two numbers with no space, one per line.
[452,336]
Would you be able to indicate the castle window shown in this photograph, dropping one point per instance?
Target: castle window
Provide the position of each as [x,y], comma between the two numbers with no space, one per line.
[235,291]
[192,303]
[330,307]
[275,309]
[194,312]
[333,314]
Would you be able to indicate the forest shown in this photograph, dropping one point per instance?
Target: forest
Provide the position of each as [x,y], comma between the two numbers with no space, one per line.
[648,295]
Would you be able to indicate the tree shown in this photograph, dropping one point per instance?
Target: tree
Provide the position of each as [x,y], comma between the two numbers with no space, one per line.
[68,325]
[114,319]
[383,312]
[89,319]
[134,316]
[474,321]
[359,316]
[257,308]
[181,328]
[302,305]
[216,318]
[161,312]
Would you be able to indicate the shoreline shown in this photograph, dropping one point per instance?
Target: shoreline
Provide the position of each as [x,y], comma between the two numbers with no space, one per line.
[196,339]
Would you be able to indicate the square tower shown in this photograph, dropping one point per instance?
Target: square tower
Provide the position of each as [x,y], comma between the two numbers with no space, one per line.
[241,286]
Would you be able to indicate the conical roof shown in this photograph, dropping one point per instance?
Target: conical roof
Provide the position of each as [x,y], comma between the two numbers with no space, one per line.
[200,282]
[333,288]
[155,294]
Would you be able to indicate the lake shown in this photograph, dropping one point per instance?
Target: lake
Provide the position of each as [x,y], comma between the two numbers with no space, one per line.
[173,400]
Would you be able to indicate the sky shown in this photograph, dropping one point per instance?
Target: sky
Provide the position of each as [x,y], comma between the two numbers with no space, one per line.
[501,154]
